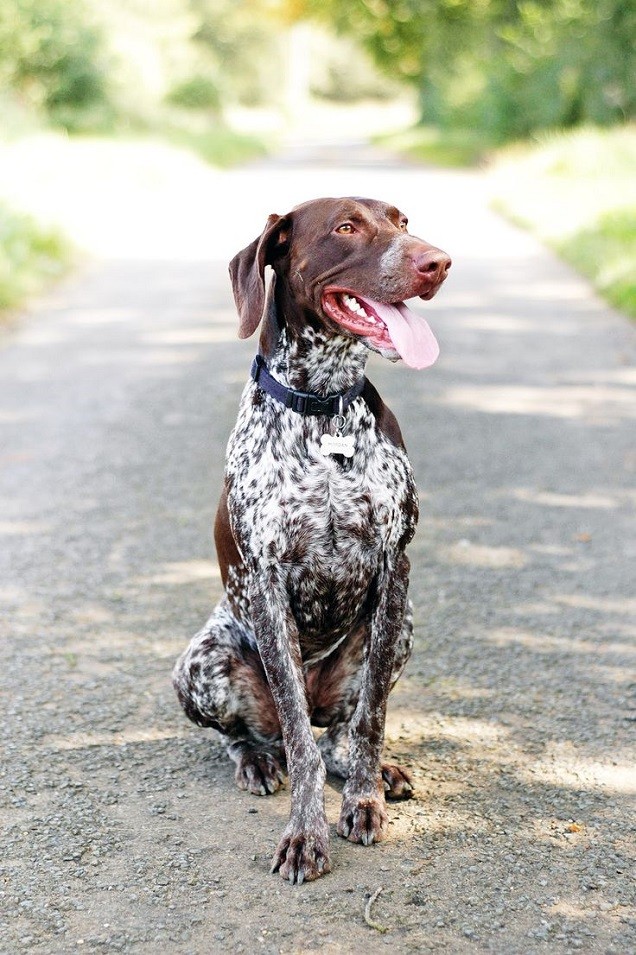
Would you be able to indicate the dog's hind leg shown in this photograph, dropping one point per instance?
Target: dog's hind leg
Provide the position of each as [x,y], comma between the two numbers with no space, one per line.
[221,683]
[334,747]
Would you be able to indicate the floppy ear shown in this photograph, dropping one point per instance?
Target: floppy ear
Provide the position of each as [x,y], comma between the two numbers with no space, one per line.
[247,272]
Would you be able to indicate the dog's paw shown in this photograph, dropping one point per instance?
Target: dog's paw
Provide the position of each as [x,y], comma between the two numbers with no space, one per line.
[259,772]
[302,854]
[363,819]
[398,783]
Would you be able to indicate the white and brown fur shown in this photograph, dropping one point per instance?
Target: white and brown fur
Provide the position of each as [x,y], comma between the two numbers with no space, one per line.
[315,626]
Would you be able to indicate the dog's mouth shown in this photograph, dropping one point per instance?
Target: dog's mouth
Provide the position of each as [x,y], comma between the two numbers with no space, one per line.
[385,326]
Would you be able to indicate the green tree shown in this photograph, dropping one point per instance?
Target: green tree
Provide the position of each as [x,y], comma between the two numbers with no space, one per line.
[507,67]
[52,57]
[242,40]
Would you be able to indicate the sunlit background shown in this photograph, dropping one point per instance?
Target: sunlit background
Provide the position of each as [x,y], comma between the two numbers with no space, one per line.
[107,104]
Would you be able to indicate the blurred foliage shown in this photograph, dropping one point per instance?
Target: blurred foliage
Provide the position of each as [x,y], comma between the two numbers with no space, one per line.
[577,192]
[248,43]
[88,64]
[215,144]
[506,67]
[606,252]
[242,41]
[503,68]
[342,72]
[123,65]
[53,57]
[104,64]
[29,256]
[198,92]
[454,147]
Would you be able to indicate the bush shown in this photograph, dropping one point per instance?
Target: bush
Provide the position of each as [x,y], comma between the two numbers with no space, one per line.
[52,56]
[29,256]
[199,92]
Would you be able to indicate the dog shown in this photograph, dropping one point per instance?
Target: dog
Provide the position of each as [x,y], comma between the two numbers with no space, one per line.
[318,506]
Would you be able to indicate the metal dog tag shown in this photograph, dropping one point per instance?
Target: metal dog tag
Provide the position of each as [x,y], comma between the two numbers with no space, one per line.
[337,443]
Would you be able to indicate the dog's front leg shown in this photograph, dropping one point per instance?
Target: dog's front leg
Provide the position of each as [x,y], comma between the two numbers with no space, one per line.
[303,851]
[363,816]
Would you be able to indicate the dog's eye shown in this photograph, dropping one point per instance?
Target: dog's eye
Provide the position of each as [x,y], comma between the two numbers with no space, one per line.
[345,229]
[403,224]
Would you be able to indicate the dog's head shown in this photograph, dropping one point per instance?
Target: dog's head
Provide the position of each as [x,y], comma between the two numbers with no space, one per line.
[351,262]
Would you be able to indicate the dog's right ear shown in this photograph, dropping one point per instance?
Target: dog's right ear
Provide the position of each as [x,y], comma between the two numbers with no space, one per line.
[247,272]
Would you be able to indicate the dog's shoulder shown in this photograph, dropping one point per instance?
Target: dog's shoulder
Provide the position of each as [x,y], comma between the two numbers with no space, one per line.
[385,419]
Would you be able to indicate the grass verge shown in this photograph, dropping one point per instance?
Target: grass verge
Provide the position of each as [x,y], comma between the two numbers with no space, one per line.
[606,253]
[218,145]
[439,147]
[576,191]
[30,257]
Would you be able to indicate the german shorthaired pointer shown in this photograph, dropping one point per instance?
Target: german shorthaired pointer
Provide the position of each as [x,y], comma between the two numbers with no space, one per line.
[319,504]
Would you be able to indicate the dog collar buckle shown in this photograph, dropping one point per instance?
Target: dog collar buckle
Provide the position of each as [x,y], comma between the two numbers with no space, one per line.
[305,403]
[302,402]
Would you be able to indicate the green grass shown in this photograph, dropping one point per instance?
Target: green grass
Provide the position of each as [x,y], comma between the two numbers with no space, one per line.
[217,145]
[438,147]
[606,253]
[577,192]
[30,257]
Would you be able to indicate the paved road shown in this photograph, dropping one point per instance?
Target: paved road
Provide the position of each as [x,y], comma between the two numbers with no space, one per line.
[121,827]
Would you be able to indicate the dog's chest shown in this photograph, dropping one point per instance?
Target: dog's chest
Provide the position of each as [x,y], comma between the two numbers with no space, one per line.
[328,520]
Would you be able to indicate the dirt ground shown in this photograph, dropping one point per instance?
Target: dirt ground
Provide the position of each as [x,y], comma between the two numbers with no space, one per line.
[121,826]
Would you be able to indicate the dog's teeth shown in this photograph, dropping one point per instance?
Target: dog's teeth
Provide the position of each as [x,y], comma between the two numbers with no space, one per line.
[354,305]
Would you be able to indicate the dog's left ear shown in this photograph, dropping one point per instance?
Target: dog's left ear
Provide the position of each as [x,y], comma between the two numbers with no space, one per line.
[247,271]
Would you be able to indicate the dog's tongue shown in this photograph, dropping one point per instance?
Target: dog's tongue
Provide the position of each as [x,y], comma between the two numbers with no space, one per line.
[410,334]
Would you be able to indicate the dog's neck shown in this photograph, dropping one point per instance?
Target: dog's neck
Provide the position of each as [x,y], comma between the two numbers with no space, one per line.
[306,356]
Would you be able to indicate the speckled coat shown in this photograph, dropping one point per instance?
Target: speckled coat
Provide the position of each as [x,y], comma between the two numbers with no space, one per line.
[315,625]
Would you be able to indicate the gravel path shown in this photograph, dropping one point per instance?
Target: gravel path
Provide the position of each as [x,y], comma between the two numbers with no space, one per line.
[121,826]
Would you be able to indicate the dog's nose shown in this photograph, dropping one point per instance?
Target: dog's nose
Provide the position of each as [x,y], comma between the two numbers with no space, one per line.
[432,264]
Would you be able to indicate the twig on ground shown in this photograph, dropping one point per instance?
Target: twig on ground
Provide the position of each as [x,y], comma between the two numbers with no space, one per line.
[367,913]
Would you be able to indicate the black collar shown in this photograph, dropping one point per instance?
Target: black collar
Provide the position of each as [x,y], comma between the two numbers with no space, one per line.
[300,401]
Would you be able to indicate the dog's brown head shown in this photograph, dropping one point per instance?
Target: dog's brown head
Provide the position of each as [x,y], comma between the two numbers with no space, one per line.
[351,263]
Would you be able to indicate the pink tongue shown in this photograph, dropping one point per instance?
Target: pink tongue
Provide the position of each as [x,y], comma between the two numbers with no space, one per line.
[410,334]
